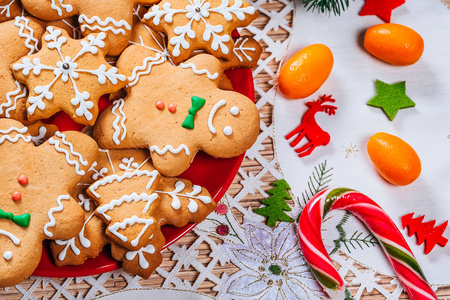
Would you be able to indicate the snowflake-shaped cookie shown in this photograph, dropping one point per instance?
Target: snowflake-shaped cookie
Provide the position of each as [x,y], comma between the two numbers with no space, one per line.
[35,202]
[200,24]
[68,75]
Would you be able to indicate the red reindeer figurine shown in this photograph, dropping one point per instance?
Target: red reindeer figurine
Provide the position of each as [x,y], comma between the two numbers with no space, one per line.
[315,135]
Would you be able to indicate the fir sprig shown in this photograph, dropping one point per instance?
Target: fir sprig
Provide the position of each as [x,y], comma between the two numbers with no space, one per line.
[369,240]
[318,181]
[326,6]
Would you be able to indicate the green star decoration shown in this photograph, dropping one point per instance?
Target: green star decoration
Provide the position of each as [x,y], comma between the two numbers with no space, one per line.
[391,98]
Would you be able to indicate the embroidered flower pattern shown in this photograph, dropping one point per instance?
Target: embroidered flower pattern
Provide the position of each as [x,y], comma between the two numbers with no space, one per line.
[271,266]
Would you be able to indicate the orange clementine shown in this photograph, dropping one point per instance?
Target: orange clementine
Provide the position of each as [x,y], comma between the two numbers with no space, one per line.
[393,43]
[394,159]
[306,71]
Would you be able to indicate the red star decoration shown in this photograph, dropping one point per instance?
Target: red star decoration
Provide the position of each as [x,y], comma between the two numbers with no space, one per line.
[380,8]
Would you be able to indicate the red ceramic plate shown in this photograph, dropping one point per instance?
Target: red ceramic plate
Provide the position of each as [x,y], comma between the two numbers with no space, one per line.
[214,174]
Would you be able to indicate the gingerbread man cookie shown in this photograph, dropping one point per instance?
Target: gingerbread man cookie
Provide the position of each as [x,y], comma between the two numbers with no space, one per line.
[35,202]
[114,18]
[68,75]
[187,113]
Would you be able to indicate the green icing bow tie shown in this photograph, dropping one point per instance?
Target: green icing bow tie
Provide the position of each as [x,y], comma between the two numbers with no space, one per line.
[21,220]
[197,103]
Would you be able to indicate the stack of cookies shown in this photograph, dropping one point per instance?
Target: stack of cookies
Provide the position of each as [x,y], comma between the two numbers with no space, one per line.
[116,182]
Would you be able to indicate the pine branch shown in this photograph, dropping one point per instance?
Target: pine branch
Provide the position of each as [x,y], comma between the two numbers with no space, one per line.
[369,240]
[326,6]
[318,181]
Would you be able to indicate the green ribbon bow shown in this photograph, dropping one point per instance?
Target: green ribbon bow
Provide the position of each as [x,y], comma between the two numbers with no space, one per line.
[21,220]
[197,103]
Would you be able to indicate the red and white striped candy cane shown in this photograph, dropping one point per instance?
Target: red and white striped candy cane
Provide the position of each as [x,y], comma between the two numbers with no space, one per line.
[380,224]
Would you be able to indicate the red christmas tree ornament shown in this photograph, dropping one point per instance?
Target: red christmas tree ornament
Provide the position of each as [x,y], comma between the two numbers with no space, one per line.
[309,128]
[380,8]
[425,231]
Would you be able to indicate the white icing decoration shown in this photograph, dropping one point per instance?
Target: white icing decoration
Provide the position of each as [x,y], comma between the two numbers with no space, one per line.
[170,149]
[134,197]
[179,186]
[4,135]
[192,206]
[13,238]
[39,139]
[130,222]
[55,41]
[198,10]
[227,130]
[199,72]
[103,25]
[242,49]
[86,243]
[50,213]
[84,202]
[212,113]
[6,9]
[109,179]
[75,163]
[97,173]
[120,117]
[143,263]
[9,104]
[67,7]
[7,255]
[234,110]
[145,68]
[28,36]
[129,164]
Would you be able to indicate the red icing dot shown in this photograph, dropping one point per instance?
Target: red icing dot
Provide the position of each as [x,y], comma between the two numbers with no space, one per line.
[160,105]
[16,196]
[172,108]
[23,179]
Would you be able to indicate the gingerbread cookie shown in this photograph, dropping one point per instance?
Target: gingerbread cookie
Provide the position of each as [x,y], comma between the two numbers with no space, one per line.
[21,37]
[246,53]
[126,204]
[9,9]
[179,202]
[68,75]
[192,25]
[91,239]
[187,113]
[35,202]
[113,19]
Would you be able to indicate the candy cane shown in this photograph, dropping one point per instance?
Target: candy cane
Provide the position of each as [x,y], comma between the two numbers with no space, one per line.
[383,228]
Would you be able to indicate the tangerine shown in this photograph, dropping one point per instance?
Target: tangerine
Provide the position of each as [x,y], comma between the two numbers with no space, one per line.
[306,71]
[394,159]
[393,43]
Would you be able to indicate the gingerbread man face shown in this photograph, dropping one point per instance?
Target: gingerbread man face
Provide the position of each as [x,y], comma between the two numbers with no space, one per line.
[185,114]
[68,75]
[35,201]
[114,18]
